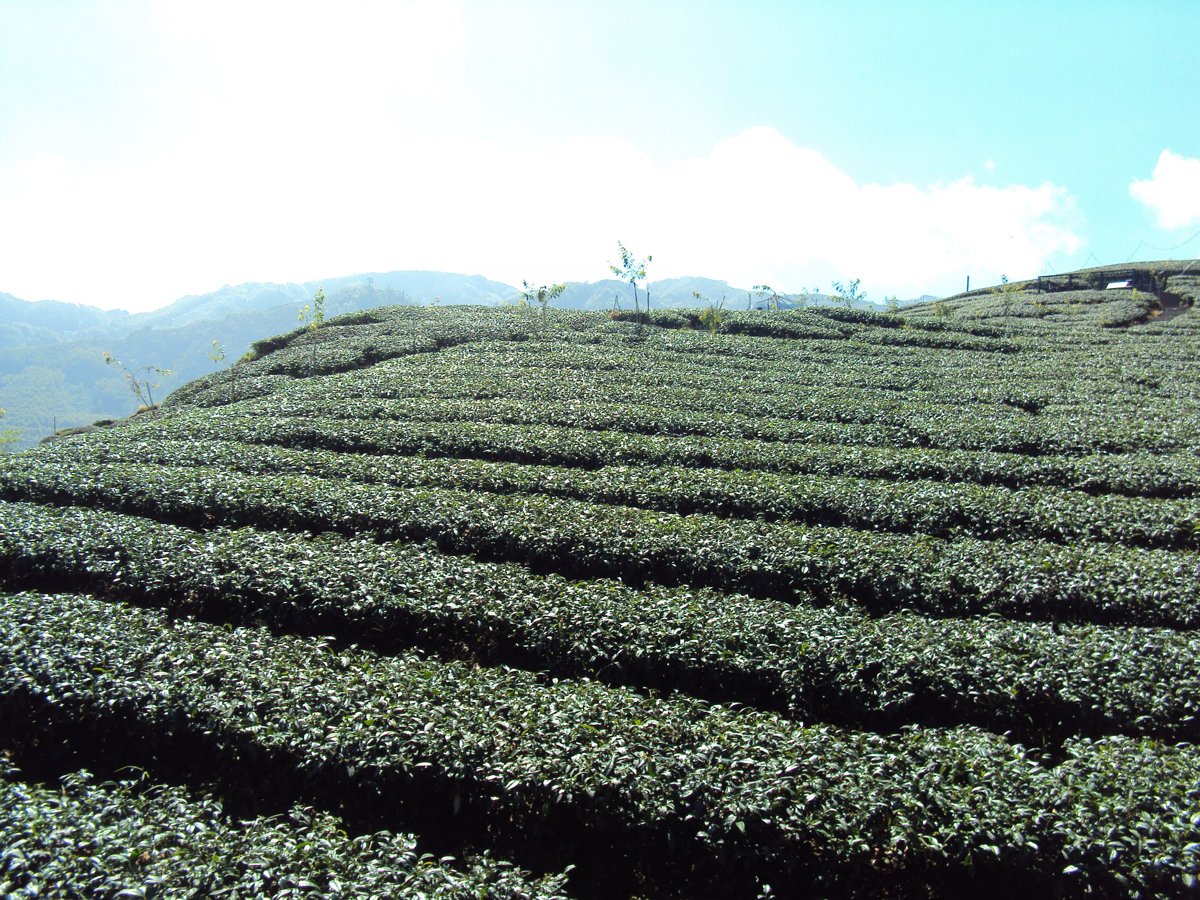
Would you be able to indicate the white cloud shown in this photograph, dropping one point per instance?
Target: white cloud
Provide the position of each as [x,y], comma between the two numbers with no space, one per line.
[759,208]
[1172,191]
[756,208]
[296,140]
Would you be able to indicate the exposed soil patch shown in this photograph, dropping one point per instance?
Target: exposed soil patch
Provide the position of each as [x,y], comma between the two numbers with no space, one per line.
[1170,306]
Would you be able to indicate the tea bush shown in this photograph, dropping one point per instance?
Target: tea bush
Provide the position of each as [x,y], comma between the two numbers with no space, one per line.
[827,603]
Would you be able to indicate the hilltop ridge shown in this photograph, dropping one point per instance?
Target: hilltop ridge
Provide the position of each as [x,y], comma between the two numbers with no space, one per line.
[1114,295]
[1175,276]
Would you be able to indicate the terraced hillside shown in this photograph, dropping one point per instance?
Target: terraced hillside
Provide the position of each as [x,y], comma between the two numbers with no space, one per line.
[824,602]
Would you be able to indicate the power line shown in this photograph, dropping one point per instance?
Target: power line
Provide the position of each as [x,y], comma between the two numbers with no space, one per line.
[1142,244]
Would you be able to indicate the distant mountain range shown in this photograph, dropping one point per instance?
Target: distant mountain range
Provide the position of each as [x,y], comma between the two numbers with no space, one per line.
[52,370]
[23,323]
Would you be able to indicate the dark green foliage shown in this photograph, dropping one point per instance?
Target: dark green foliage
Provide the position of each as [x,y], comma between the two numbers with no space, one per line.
[752,796]
[136,838]
[835,602]
[945,509]
[832,664]
[879,571]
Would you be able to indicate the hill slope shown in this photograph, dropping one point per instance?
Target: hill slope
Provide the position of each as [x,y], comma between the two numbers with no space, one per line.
[828,601]
[1106,295]
[52,374]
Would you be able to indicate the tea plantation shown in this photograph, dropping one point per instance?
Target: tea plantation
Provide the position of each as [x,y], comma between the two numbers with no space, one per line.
[495,602]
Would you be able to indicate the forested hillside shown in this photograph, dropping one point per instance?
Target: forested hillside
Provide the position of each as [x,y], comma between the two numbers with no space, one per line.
[711,603]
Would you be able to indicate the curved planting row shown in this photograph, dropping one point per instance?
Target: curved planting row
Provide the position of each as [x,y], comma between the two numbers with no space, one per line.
[994,426]
[137,839]
[688,392]
[664,792]
[1163,475]
[346,342]
[900,421]
[941,402]
[881,572]
[931,507]
[823,388]
[823,664]
[681,465]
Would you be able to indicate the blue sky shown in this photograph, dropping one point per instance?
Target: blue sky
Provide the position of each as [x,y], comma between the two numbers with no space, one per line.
[154,149]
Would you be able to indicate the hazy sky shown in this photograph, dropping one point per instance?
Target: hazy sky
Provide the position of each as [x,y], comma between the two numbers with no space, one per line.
[154,149]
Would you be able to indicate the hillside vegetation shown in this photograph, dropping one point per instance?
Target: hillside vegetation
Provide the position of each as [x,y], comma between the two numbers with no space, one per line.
[52,371]
[773,604]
